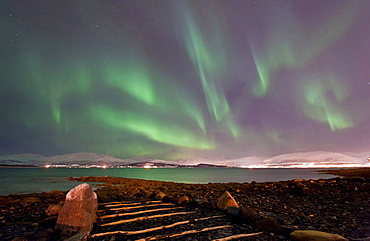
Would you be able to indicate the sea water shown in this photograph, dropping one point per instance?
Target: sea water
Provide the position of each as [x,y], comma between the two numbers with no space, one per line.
[30,180]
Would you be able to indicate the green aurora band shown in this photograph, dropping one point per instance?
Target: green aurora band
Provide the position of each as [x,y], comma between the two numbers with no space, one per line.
[295,50]
[113,88]
[322,98]
[210,64]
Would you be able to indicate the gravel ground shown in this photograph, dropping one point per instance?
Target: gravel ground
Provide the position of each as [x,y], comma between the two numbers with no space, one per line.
[337,205]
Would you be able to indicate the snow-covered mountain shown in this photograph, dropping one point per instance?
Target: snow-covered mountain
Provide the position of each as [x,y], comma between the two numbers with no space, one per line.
[245,161]
[298,159]
[20,159]
[201,160]
[361,155]
[81,158]
[318,158]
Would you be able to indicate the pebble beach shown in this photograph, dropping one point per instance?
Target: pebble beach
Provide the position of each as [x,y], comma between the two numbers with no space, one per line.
[338,205]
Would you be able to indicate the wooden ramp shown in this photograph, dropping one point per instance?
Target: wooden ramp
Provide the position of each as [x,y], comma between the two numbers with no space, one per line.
[155,220]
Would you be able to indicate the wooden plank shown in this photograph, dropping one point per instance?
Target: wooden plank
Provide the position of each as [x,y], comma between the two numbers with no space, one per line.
[139,212]
[108,203]
[185,233]
[153,229]
[145,217]
[128,204]
[237,236]
[121,204]
[141,206]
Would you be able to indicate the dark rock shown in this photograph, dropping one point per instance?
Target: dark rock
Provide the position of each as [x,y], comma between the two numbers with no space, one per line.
[39,235]
[152,196]
[49,222]
[247,215]
[168,199]
[233,211]
[210,205]
[268,224]
[300,191]
[285,231]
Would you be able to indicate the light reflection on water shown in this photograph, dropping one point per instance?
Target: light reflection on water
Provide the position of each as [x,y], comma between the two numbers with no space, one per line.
[28,180]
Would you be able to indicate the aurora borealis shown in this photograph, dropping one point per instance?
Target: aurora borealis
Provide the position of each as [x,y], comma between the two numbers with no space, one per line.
[184,78]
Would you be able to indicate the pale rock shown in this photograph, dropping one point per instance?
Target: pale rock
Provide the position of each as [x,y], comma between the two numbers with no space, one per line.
[183,199]
[159,195]
[226,200]
[313,235]
[78,212]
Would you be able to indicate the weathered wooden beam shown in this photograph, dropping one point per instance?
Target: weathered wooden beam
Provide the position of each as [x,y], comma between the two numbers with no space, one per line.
[127,204]
[184,233]
[153,229]
[237,236]
[121,204]
[139,212]
[141,206]
[108,203]
[144,218]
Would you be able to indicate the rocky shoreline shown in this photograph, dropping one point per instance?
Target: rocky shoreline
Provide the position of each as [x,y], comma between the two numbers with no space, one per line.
[338,205]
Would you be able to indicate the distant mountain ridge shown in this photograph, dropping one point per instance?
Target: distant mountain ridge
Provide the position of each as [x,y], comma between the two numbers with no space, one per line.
[298,159]
[317,158]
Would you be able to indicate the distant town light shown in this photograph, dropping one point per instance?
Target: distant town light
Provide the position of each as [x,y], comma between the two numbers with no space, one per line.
[47,166]
[147,166]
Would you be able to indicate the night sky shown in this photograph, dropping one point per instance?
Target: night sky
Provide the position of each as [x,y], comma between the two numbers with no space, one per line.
[178,79]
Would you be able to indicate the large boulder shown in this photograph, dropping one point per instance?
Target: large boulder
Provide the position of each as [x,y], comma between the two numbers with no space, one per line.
[313,235]
[78,212]
[226,200]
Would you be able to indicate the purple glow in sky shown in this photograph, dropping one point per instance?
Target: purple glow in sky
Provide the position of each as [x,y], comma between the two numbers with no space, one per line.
[176,79]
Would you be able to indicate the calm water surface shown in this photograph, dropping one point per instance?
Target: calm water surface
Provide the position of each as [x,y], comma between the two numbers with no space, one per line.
[28,180]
